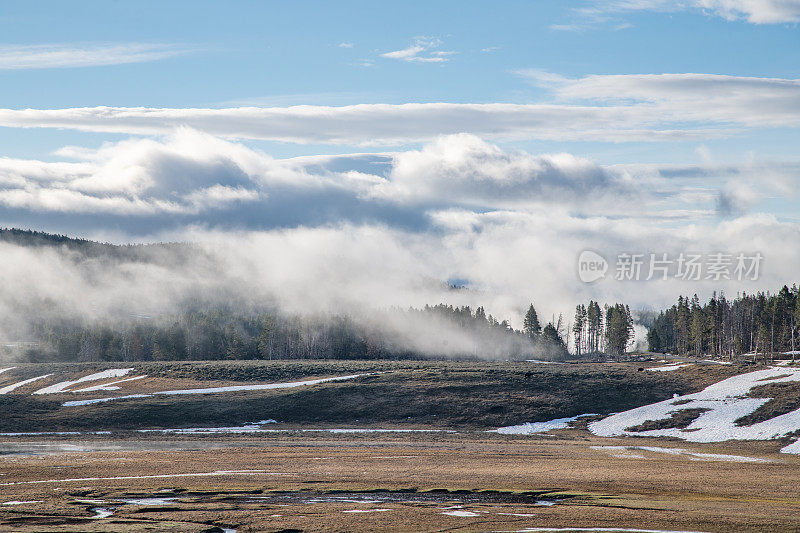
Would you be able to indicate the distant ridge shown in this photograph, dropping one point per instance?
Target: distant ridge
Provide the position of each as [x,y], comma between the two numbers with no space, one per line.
[88,248]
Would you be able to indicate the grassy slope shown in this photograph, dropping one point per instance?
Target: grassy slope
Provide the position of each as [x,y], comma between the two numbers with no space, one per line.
[429,393]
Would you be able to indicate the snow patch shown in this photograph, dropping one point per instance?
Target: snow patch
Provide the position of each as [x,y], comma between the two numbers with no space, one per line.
[109,386]
[668,368]
[102,512]
[530,428]
[210,390]
[7,369]
[464,514]
[9,388]
[64,385]
[792,448]
[18,502]
[725,402]
[620,452]
[366,510]
[73,403]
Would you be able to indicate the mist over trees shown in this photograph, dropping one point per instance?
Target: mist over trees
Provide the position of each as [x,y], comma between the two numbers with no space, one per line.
[228,333]
[759,323]
[211,322]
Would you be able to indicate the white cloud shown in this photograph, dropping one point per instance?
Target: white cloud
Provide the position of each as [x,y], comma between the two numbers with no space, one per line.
[613,108]
[192,173]
[346,45]
[699,98]
[17,57]
[753,11]
[423,50]
[333,232]
[464,170]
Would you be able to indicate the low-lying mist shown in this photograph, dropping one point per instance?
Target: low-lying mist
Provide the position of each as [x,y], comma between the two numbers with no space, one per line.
[294,293]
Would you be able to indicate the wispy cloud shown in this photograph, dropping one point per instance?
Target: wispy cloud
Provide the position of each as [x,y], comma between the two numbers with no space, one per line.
[43,56]
[423,50]
[617,108]
[346,45]
[595,12]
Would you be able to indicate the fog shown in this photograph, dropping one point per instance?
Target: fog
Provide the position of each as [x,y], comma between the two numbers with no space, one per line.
[361,234]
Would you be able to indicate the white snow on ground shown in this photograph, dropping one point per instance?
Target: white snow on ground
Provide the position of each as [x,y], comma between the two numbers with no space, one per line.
[102,512]
[73,403]
[64,385]
[792,448]
[216,473]
[530,428]
[109,386]
[726,403]
[212,390]
[13,386]
[714,361]
[668,368]
[265,386]
[792,352]
[7,369]
[621,452]
[541,362]
[464,514]
[18,502]
[366,510]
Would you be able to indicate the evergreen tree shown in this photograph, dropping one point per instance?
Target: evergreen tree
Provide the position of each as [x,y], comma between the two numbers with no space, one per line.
[530,325]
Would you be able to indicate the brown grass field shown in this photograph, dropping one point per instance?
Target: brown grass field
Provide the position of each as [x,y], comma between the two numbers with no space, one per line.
[466,480]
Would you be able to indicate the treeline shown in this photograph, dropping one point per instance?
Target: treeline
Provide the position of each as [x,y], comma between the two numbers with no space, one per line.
[760,323]
[607,330]
[432,331]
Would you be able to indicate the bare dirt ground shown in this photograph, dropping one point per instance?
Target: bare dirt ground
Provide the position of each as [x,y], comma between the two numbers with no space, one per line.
[466,481]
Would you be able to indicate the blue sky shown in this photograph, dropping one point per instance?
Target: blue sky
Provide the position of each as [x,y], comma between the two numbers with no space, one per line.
[285,53]
[551,126]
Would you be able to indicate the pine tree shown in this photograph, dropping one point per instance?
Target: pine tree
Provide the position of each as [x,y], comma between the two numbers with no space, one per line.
[578,327]
[530,325]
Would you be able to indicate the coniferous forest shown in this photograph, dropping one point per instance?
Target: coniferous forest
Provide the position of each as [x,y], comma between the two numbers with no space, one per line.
[761,323]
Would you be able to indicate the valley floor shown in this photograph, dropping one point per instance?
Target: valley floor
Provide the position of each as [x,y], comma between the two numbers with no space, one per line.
[401,482]
[389,446]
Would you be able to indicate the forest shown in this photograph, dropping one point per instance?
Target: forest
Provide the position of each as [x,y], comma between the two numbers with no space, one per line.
[760,323]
